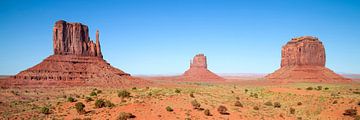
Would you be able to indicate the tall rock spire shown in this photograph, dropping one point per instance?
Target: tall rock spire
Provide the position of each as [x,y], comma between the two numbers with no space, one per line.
[98,49]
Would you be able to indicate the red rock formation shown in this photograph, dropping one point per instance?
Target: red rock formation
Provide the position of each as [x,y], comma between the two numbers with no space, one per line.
[303,59]
[198,70]
[76,58]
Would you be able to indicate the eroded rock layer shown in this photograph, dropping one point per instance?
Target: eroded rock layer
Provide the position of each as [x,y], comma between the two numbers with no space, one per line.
[77,58]
[303,60]
[198,70]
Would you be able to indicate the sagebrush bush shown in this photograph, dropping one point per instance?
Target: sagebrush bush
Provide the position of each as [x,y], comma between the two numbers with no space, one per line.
[125,116]
[71,99]
[108,104]
[80,107]
[99,103]
[256,108]
[222,110]
[88,99]
[169,109]
[124,94]
[45,110]
[350,112]
[192,95]
[268,103]
[93,93]
[195,104]
[277,105]
[309,88]
[299,103]
[292,110]
[207,112]
[238,104]
[177,90]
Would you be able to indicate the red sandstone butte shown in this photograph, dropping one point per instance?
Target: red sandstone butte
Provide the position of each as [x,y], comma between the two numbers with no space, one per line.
[198,71]
[303,60]
[76,58]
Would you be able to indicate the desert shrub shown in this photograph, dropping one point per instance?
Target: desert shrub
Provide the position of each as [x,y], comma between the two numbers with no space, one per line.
[134,88]
[88,99]
[169,109]
[222,110]
[124,94]
[93,93]
[108,103]
[195,104]
[255,95]
[177,91]
[299,103]
[71,99]
[326,88]
[125,116]
[45,110]
[237,98]
[256,108]
[292,110]
[268,103]
[335,102]
[277,105]
[99,91]
[192,95]
[356,92]
[246,90]
[99,103]
[80,107]
[238,104]
[319,88]
[350,112]
[357,117]
[309,88]
[207,112]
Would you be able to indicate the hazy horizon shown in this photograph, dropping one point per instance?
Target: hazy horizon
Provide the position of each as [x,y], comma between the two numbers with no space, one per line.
[160,37]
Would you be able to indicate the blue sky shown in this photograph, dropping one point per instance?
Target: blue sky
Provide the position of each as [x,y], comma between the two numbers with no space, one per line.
[161,36]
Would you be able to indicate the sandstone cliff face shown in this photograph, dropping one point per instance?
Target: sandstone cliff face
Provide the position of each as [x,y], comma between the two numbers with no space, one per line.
[303,60]
[76,58]
[73,39]
[302,51]
[198,70]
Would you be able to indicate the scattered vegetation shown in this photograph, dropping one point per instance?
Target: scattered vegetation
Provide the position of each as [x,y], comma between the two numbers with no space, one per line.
[93,93]
[254,95]
[192,95]
[195,104]
[99,103]
[246,90]
[326,88]
[134,88]
[207,112]
[309,88]
[88,99]
[71,99]
[45,110]
[169,109]
[238,104]
[319,88]
[222,110]
[277,105]
[256,108]
[335,102]
[299,103]
[124,94]
[99,91]
[80,107]
[125,116]
[108,103]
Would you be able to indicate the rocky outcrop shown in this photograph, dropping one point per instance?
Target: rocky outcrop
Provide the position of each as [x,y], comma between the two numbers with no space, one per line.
[73,39]
[77,58]
[198,71]
[303,60]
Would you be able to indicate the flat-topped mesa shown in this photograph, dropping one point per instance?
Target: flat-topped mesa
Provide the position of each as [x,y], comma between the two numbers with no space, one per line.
[73,39]
[199,61]
[198,70]
[303,51]
[303,60]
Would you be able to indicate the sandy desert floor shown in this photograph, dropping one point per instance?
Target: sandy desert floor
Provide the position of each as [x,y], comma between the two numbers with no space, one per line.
[248,100]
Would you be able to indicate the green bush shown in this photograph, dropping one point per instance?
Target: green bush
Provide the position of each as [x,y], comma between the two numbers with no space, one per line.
[108,104]
[93,93]
[80,107]
[124,94]
[326,88]
[177,91]
[268,103]
[309,88]
[222,110]
[238,104]
[99,103]
[45,110]
[134,88]
[292,110]
[99,91]
[195,104]
[169,109]
[207,112]
[71,99]
[277,105]
[319,88]
[88,99]
[125,116]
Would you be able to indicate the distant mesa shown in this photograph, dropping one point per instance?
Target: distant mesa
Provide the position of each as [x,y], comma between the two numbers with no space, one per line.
[198,71]
[76,58]
[303,60]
